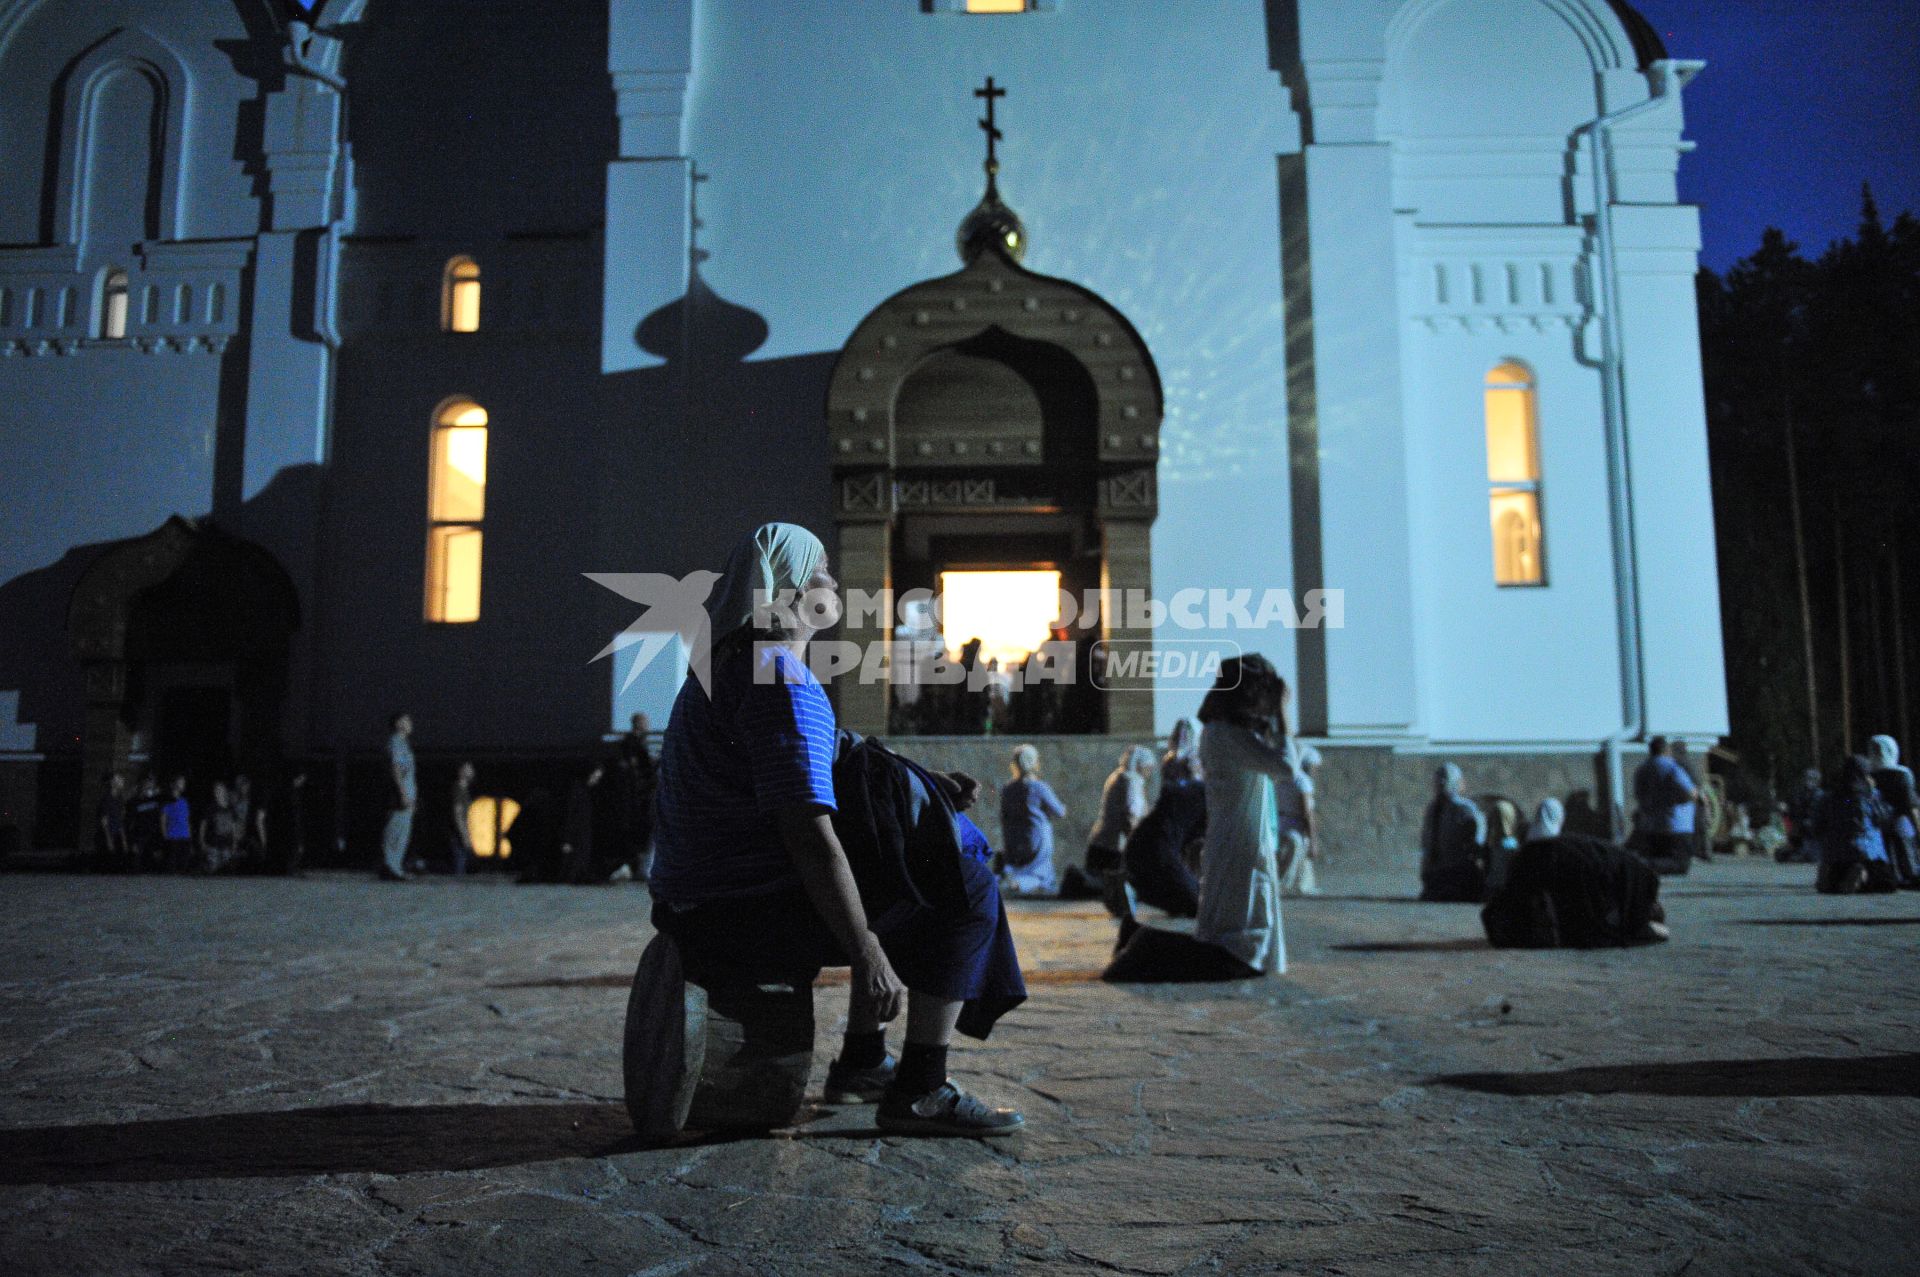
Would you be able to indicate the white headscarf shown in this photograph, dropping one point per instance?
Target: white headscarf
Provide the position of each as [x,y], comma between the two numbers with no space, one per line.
[1548,820]
[1884,751]
[1026,761]
[777,557]
[1448,779]
[1137,759]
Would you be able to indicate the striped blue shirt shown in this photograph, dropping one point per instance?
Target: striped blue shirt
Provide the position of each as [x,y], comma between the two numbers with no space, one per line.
[765,740]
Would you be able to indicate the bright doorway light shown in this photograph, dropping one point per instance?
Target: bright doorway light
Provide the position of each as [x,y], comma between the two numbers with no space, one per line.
[1009,612]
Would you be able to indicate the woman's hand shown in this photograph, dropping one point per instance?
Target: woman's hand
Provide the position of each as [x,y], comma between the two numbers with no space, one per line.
[875,981]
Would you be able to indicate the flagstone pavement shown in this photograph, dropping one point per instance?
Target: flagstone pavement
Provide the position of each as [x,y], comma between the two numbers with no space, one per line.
[333,1075]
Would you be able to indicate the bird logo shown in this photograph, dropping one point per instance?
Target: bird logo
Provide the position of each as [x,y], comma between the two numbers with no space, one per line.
[672,606]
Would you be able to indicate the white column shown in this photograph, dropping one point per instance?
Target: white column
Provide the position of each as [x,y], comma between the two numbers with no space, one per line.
[650,56]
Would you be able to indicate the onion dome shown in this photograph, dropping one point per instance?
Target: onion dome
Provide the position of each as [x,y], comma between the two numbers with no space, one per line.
[991,224]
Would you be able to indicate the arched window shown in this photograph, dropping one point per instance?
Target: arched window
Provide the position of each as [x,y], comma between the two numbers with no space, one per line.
[460,296]
[111,324]
[488,820]
[1513,476]
[456,508]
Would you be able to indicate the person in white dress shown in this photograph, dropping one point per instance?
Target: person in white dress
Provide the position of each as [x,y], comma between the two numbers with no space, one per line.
[1249,765]
[1250,762]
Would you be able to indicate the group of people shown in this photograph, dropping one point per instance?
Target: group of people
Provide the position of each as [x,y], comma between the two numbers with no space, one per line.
[1548,887]
[1860,824]
[157,828]
[594,827]
[1144,849]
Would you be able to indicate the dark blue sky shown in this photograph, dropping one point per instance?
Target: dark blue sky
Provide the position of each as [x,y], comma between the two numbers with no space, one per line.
[1801,101]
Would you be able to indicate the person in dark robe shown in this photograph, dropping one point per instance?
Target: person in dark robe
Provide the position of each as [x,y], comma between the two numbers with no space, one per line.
[1853,848]
[535,835]
[146,845]
[1158,870]
[459,827]
[286,829]
[635,779]
[1570,891]
[1801,846]
[111,843]
[220,831]
[1453,836]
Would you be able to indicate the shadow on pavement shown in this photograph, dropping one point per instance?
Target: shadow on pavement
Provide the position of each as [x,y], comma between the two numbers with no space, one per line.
[386,1138]
[1829,922]
[1809,1075]
[1462,944]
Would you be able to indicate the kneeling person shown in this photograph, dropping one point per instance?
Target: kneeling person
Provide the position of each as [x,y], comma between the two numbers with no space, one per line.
[751,879]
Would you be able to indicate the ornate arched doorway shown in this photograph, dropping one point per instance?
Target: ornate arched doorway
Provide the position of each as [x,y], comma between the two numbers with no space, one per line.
[996,420]
[183,637]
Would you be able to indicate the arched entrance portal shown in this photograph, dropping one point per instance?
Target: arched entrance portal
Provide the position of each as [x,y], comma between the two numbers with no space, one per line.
[998,420]
[183,636]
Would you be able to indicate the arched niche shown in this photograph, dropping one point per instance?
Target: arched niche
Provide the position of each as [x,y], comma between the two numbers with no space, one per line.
[994,418]
[1491,68]
[132,65]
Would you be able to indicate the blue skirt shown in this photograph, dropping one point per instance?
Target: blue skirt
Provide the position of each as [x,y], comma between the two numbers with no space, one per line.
[962,955]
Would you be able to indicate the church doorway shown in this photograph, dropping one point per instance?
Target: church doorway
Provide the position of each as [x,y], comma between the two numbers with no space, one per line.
[184,637]
[995,432]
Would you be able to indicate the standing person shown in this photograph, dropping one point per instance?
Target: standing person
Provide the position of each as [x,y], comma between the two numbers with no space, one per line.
[1453,836]
[143,825]
[287,827]
[110,842]
[637,778]
[252,817]
[752,882]
[1664,797]
[459,831]
[1123,801]
[176,827]
[220,831]
[1028,808]
[1853,851]
[1894,784]
[403,792]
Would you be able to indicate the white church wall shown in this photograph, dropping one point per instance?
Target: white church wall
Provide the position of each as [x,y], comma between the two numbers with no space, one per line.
[106,438]
[1141,148]
[1666,429]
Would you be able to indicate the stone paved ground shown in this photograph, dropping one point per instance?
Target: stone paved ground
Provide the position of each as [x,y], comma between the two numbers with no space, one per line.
[333,1076]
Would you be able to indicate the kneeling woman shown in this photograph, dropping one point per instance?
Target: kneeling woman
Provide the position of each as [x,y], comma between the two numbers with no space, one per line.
[1246,755]
[751,879]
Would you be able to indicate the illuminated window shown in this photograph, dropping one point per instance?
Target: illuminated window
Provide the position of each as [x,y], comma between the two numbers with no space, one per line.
[1513,476]
[488,820]
[460,296]
[456,507]
[997,6]
[1009,612]
[113,304]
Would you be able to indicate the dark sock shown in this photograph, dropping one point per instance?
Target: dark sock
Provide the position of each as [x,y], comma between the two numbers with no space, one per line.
[922,1068]
[863,1050]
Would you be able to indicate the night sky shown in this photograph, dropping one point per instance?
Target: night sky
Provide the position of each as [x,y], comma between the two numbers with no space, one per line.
[1801,101]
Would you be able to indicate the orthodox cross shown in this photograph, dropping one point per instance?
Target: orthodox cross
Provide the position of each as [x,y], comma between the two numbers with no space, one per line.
[990,94]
